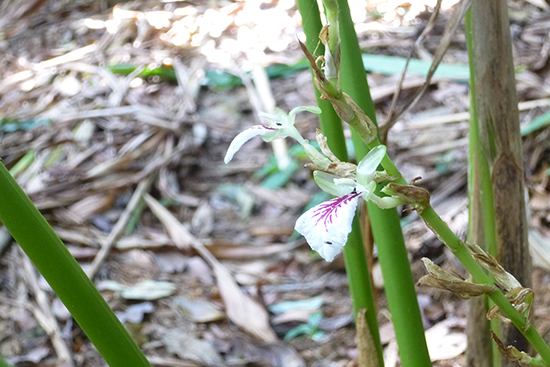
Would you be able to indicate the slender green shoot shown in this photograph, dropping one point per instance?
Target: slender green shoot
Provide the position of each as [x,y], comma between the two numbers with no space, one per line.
[392,253]
[4,363]
[354,251]
[50,256]
[348,111]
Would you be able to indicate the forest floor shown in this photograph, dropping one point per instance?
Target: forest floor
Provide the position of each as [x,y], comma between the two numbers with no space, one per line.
[100,100]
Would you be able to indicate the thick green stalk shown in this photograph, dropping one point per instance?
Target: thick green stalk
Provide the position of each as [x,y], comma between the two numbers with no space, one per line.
[360,284]
[499,136]
[331,10]
[352,73]
[354,252]
[481,349]
[392,253]
[438,226]
[50,256]
[331,125]
[398,281]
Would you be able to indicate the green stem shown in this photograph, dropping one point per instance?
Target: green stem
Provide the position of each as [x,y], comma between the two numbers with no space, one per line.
[50,256]
[392,253]
[331,10]
[398,286]
[350,84]
[360,285]
[355,259]
[440,228]
[4,363]
[331,125]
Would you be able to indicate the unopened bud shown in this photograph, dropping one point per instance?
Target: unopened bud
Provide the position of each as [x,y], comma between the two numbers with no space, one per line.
[323,144]
[489,263]
[418,197]
[512,353]
[441,279]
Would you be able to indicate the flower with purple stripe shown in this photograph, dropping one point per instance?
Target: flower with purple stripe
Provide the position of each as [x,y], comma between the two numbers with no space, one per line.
[326,226]
[282,125]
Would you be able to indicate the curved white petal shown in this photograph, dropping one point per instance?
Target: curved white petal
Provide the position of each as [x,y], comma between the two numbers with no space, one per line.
[279,117]
[245,136]
[295,134]
[316,157]
[383,202]
[327,225]
[313,109]
[328,183]
[330,68]
[283,132]
[386,202]
[368,165]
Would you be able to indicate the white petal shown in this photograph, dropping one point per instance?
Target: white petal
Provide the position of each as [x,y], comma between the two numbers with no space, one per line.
[328,183]
[386,202]
[330,69]
[279,117]
[245,136]
[327,225]
[316,157]
[368,165]
[313,109]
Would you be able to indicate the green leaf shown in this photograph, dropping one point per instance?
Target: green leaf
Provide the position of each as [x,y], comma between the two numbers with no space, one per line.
[279,179]
[240,196]
[392,65]
[12,124]
[297,331]
[537,123]
[306,304]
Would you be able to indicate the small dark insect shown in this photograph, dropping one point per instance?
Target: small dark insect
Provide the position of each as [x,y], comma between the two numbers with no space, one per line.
[278,124]
[328,242]
[354,190]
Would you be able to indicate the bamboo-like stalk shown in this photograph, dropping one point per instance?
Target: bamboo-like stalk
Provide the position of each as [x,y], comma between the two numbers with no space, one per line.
[499,135]
[354,252]
[331,125]
[50,256]
[481,350]
[360,284]
[386,227]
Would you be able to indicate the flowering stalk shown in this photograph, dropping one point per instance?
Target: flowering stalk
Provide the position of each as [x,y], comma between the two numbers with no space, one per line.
[460,250]
[355,259]
[346,109]
[327,226]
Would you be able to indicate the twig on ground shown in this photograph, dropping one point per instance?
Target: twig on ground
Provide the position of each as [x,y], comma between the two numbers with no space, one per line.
[118,229]
[44,315]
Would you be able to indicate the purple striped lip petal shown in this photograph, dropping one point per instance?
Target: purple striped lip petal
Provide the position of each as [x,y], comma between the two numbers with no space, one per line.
[262,127]
[325,212]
